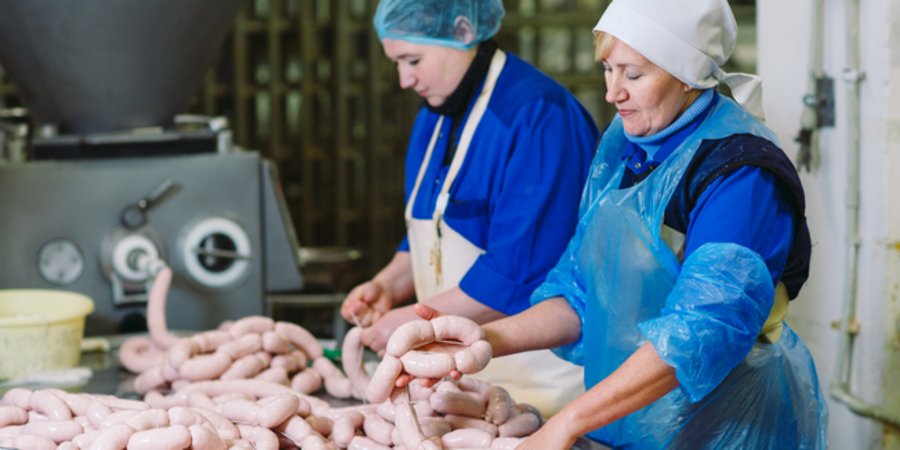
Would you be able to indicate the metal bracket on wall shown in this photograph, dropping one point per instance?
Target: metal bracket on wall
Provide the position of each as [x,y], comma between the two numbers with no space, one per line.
[823,101]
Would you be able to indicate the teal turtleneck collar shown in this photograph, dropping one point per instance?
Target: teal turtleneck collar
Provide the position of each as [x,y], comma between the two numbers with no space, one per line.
[652,143]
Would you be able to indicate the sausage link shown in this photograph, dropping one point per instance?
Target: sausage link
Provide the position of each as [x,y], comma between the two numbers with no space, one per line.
[151,418]
[456,328]
[86,439]
[50,405]
[378,429]
[276,375]
[246,367]
[12,415]
[200,400]
[156,310]
[32,442]
[211,340]
[315,442]
[300,337]
[352,359]
[261,438]
[423,364]
[407,426]
[292,362]
[167,438]
[78,403]
[417,392]
[251,324]
[467,438]
[364,443]
[55,430]
[205,367]
[296,429]
[97,413]
[241,346]
[382,383]
[409,336]
[433,426]
[139,353]
[273,342]
[150,380]
[121,403]
[457,403]
[114,437]
[241,411]
[473,358]
[457,422]
[499,405]
[276,409]
[520,425]
[204,438]
[224,427]
[182,415]
[345,427]
[20,397]
[307,381]
[321,424]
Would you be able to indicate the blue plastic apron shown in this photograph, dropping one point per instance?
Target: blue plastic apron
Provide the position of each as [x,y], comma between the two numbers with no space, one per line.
[626,273]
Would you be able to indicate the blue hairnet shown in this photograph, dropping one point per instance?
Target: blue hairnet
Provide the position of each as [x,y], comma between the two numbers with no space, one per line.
[438,22]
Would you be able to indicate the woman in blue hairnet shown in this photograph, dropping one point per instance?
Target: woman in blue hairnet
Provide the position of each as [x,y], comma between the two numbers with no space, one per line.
[683,340]
[496,163]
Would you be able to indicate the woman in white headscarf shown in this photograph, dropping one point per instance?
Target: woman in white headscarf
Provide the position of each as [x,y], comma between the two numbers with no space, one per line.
[691,240]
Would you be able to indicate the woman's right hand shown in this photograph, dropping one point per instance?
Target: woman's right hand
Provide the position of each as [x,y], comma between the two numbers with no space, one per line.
[367,303]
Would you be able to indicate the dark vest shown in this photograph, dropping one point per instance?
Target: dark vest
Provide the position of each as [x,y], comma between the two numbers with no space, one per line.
[716,158]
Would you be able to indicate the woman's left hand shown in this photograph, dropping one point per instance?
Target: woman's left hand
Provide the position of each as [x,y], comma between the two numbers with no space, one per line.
[551,436]
[376,336]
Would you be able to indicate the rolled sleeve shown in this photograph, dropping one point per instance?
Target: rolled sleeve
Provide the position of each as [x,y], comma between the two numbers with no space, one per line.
[712,316]
[500,292]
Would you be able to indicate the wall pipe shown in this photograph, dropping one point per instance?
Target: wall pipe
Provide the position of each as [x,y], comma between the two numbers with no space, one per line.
[853,76]
[807,137]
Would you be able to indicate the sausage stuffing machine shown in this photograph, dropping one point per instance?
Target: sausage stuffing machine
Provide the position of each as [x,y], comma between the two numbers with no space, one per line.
[114,177]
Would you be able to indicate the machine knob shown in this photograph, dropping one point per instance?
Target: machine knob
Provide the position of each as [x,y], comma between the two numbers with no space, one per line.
[131,257]
[134,215]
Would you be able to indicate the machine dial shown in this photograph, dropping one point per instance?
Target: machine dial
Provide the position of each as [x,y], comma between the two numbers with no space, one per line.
[60,261]
[216,253]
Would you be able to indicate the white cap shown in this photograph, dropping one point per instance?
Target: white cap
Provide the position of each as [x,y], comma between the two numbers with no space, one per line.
[690,39]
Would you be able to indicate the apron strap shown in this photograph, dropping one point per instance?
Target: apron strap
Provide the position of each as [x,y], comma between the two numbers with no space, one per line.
[415,192]
[497,63]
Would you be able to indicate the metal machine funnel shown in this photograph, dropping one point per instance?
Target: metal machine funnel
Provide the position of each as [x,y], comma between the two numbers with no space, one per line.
[93,66]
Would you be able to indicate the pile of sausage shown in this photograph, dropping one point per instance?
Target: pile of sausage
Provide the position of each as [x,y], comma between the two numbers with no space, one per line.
[247,385]
[253,347]
[55,419]
[252,414]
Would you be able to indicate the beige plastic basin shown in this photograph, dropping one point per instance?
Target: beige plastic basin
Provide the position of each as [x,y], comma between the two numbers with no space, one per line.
[40,330]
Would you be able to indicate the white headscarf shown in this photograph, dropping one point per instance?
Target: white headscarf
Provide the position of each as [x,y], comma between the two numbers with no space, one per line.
[690,39]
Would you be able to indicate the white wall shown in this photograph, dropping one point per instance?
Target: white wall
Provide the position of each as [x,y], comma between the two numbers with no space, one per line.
[783,30]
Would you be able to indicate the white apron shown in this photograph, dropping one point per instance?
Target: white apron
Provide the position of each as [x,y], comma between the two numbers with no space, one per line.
[441,257]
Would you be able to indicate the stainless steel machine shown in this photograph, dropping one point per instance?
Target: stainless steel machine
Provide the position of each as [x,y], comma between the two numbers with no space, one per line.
[115,177]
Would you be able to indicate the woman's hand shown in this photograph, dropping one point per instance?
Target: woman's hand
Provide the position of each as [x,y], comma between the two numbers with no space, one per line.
[552,436]
[367,303]
[376,336]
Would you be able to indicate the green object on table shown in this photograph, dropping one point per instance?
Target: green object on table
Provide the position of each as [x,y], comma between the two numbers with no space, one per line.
[333,354]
